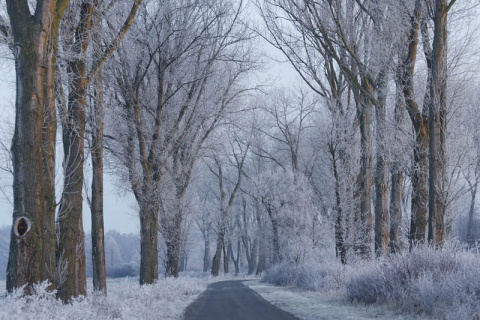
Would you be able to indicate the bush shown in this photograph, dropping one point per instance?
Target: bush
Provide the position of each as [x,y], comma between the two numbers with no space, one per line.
[306,276]
[444,283]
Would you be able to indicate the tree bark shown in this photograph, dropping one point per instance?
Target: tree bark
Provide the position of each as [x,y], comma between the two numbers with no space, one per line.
[471,236]
[277,256]
[365,177]
[397,176]
[236,261]
[98,237]
[437,126]
[217,257]
[340,248]
[71,245]
[32,233]
[418,219]
[381,193]
[148,246]
[206,255]
[261,240]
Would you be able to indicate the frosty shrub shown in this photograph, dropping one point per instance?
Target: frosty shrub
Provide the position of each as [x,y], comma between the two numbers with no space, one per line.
[443,283]
[307,276]
[126,299]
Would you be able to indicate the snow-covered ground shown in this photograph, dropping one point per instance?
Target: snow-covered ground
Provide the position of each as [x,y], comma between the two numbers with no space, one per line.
[308,305]
[169,297]
[125,300]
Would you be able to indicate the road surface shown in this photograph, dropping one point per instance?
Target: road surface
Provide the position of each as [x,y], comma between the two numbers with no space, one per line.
[231,300]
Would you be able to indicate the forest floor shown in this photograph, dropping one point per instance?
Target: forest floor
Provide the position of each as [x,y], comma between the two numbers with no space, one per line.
[308,305]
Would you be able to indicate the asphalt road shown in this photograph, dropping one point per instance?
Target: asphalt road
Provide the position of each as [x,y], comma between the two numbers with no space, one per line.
[231,300]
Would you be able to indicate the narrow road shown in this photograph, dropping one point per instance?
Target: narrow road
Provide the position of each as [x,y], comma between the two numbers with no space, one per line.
[231,300]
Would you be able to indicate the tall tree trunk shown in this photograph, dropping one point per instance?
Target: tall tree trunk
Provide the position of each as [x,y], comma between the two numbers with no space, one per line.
[396,193]
[365,177]
[250,253]
[148,245]
[34,35]
[227,256]
[236,261]
[217,257]
[261,240]
[340,248]
[437,126]
[49,148]
[471,212]
[173,253]
[206,254]
[277,257]
[71,246]
[381,193]
[418,221]
[98,237]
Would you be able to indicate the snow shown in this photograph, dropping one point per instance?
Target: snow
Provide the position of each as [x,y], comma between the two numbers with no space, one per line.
[126,299]
[308,305]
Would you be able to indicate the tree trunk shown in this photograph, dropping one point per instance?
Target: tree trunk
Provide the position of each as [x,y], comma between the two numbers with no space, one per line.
[437,127]
[261,240]
[71,245]
[98,237]
[32,245]
[218,254]
[381,194]
[340,248]
[206,256]
[364,181]
[236,261]
[471,236]
[173,254]
[227,254]
[250,253]
[148,246]
[277,257]
[397,176]
[418,221]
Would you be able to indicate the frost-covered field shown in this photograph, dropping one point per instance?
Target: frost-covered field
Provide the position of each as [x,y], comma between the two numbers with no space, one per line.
[426,283]
[311,305]
[125,300]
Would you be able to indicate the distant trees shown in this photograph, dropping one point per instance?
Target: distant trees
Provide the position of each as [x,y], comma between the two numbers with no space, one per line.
[178,85]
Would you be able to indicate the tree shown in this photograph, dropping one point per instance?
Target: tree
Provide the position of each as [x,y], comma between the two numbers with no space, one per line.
[437,124]
[173,94]
[32,244]
[70,247]
[239,151]
[328,34]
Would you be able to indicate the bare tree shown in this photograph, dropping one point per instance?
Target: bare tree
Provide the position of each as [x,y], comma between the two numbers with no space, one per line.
[239,152]
[32,244]
[70,247]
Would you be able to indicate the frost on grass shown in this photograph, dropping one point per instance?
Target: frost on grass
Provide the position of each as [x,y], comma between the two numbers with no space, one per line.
[443,283]
[167,299]
[426,282]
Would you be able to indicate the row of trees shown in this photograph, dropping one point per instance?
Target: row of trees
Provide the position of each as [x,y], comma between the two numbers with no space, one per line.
[268,174]
[172,80]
